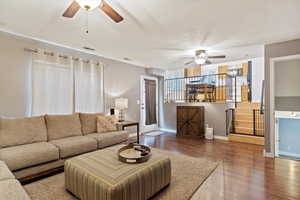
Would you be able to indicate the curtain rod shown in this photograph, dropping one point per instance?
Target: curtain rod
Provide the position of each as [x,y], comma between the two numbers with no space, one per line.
[60,56]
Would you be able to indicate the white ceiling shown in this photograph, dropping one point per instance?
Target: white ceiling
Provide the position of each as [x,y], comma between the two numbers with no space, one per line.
[160,33]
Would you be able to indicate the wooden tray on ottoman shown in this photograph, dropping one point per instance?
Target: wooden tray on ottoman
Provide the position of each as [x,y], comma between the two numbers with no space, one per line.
[100,175]
[134,153]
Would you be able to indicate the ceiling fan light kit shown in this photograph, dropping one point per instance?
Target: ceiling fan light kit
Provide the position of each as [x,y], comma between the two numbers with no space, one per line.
[201,57]
[89,4]
[200,61]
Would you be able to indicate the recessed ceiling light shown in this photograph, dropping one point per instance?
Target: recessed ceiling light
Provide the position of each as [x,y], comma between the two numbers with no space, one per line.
[89,48]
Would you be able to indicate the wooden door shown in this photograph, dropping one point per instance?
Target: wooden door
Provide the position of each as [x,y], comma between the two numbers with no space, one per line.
[190,121]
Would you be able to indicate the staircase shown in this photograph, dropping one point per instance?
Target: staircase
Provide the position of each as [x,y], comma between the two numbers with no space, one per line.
[248,124]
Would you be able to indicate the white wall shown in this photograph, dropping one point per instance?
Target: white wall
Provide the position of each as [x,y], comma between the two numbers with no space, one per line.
[123,80]
[258,75]
[120,79]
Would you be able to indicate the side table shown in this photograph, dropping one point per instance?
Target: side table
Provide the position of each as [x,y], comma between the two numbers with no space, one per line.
[125,124]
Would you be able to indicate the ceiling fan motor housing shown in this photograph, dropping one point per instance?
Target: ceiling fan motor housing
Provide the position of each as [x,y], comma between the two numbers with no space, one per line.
[199,52]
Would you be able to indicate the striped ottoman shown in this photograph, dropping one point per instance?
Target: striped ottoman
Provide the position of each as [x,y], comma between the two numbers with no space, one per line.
[99,175]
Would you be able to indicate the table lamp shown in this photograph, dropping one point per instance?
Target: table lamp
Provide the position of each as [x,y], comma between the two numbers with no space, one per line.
[121,104]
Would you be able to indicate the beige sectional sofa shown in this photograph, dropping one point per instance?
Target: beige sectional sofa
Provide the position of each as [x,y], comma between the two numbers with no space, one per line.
[31,146]
[10,188]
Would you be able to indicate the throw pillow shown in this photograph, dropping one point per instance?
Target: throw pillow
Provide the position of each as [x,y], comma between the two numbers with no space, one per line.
[106,124]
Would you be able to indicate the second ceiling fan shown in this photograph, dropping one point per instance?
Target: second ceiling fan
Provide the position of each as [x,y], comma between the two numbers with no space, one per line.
[201,57]
[90,5]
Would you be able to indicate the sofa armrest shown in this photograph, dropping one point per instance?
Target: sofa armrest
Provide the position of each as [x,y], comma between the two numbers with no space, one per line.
[5,173]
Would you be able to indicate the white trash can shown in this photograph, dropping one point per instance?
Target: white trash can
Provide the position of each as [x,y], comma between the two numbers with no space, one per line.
[209,133]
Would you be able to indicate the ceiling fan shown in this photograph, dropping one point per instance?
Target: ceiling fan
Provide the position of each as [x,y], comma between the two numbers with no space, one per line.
[201,57]
[89,5]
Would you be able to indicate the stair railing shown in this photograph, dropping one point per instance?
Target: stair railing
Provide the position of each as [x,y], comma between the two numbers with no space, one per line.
[258,123]
[262,101]
[205,88]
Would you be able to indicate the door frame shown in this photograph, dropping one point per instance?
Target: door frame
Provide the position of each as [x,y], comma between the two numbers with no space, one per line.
[143,127]
[272,121]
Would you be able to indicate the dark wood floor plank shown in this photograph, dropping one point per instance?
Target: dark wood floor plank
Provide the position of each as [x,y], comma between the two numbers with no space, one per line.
[244,173]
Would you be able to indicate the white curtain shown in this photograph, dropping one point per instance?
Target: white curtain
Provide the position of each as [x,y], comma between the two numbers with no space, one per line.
[52,84]
[88,86]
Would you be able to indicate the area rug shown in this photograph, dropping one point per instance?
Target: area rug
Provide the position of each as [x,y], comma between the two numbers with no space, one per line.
[154,133]
[188,174]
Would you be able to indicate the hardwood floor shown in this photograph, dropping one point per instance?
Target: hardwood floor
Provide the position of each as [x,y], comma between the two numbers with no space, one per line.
[243,173]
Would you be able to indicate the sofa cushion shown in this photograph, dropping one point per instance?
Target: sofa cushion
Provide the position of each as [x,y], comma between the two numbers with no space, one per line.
[72,146]
[106,124]
[22,131]
[5,173]
[62,126]
[28,155]
[110,138]
[12,190]
[89,122]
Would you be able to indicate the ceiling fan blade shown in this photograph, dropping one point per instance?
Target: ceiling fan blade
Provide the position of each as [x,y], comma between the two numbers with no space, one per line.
[190,62]
[215,57]
[107,9]
[72,10]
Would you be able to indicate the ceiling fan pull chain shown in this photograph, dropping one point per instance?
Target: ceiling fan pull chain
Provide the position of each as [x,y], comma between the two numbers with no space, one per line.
[87,22]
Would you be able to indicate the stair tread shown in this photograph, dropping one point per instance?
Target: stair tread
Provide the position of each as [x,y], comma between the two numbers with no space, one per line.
[241,127]
[240,120]
[244,110]
[237,134]
[247,139]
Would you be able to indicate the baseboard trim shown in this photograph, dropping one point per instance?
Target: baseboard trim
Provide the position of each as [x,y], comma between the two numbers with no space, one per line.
[284,153]
[167,130]
[218,137]
[268,154]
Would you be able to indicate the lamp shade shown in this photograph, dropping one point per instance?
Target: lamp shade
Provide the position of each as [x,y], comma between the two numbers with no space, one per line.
[121,103]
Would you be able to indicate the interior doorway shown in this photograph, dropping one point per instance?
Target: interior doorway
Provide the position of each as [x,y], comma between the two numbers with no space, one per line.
[285,106]
[149,103]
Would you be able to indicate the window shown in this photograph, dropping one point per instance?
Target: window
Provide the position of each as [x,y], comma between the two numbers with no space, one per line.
[88,87]
[63,85]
